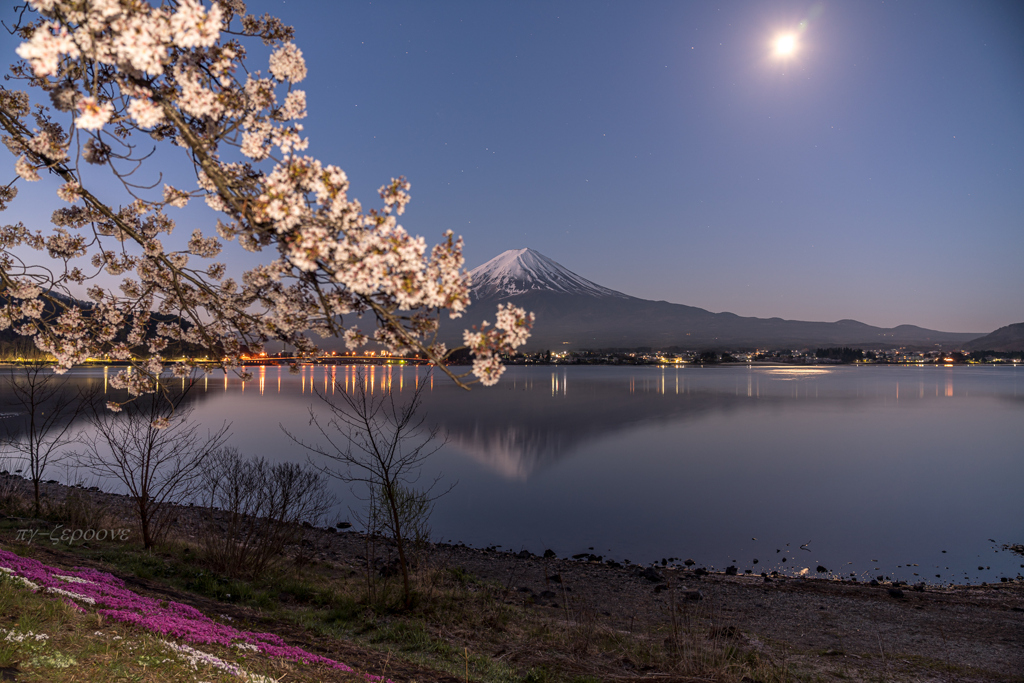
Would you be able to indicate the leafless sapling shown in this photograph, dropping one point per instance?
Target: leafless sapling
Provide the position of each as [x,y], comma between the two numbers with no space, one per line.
[379,441]
[154,450]
[47,408]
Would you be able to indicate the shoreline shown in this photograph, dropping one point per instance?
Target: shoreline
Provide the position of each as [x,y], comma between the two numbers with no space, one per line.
[821,628]
[683,568]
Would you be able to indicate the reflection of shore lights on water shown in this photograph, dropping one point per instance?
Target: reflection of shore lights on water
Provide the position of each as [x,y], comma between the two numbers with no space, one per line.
[557,384]
[796,371]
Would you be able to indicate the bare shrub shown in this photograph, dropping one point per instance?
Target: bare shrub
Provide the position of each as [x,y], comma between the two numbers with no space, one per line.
[406,514]
[262,508]
[14,500]
[79,509]
[381,531]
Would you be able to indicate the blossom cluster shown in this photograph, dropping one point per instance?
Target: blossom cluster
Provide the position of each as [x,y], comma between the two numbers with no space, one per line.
[100,589]
[511,329]
[175,74]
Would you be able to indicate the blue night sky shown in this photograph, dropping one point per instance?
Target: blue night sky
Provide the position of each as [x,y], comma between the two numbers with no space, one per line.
[662,149]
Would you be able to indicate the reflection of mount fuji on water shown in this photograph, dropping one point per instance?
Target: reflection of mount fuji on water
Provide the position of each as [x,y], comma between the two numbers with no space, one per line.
[518,436]
[538,416]
[513,451]
[575,313]
[523,426]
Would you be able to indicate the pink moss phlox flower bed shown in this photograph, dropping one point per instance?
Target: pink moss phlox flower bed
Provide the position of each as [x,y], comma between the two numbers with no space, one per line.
[165,617]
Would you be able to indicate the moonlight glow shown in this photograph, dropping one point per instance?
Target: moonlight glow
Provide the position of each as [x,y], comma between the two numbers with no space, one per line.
[785,45]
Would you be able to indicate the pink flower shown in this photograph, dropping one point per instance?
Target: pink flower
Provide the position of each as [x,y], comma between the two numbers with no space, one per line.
[168,618]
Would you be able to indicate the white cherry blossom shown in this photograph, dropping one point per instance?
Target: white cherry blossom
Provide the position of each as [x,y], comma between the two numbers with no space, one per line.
[26,170]
[145,112]
[93,114]
[287,64]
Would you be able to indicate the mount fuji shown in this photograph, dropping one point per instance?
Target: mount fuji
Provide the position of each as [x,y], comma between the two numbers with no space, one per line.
[574,313]
[519,271]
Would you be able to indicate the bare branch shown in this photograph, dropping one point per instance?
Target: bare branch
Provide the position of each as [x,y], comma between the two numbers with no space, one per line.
[377,441]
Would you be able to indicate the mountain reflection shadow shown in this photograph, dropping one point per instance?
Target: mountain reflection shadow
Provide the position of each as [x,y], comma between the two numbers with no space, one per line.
[528,423]
[519,433]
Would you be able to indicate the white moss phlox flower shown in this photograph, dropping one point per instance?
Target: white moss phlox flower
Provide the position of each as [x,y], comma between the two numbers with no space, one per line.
[73,596]
[71,579]
[196,657]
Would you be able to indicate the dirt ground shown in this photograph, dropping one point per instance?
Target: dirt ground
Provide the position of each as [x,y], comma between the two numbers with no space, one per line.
[838,629]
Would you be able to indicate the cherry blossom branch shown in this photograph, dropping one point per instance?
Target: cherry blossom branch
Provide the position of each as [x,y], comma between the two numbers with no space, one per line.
[164,72]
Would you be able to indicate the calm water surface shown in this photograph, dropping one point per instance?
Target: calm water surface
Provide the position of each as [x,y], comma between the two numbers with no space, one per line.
[914,473]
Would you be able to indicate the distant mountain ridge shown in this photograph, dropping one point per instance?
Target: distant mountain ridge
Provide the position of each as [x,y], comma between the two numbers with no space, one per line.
[9,339]
[1008,338]
[573,312]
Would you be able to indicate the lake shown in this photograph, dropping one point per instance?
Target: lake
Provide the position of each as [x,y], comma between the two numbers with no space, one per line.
[912,473]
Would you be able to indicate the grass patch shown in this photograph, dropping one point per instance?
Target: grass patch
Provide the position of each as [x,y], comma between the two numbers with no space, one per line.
[45,639]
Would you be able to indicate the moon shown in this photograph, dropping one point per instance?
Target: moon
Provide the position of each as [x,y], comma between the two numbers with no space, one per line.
[785,45]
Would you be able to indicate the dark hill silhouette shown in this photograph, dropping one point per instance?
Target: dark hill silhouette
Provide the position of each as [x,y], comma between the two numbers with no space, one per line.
[14,344]
[1009,338]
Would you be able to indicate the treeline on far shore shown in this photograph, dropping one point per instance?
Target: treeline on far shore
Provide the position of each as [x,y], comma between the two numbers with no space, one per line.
[845,354]
[675,355]
[21,348]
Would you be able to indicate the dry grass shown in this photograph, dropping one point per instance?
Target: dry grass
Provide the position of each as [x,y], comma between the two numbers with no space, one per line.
[510,639]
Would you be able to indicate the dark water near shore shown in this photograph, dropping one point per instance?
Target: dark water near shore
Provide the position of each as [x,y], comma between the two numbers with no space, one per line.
[876,470]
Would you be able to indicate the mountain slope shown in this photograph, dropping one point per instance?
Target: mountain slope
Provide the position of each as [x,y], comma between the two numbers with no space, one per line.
[1009,338]
[519,271]
[573,312]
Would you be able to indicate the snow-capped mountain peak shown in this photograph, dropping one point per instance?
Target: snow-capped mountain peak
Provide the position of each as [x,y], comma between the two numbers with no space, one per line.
[518,271]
